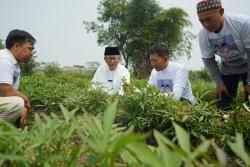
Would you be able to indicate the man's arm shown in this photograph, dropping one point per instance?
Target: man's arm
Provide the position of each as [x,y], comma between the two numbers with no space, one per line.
[248,61]
[8,90]
[179,83]
[214,72]
[248,72]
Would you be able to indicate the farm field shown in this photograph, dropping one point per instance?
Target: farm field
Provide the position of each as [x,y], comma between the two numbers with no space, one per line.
[73,125]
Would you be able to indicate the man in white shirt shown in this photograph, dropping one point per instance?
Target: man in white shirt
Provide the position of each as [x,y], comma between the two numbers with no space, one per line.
[14,105]
[169,77]
[110,76]
[227,36]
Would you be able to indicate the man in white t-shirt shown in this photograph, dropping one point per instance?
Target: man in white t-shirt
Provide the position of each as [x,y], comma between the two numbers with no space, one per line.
[110,76]
[169,77]
[228,36]
[14,106]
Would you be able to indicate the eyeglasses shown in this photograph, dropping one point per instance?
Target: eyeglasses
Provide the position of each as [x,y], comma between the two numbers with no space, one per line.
[110,58]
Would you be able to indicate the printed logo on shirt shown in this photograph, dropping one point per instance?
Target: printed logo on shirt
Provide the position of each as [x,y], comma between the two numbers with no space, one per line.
[165,85]
[16,75]
[226,48]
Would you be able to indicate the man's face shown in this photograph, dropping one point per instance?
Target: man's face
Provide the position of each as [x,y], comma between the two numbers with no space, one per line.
[158,62]
[24,52]
[212,20]
[112,61]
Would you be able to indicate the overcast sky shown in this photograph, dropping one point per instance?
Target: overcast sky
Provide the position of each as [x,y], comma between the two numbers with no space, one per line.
[61,37]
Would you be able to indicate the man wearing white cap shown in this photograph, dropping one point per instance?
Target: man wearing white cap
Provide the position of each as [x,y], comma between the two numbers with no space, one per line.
[110,76]
[228,36]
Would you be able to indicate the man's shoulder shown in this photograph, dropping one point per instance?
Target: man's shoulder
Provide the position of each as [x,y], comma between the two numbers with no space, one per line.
[4,57]
[122,67]
[176,65]
[237,20]
[4,53]
[236,17]
[101,67]
[203,33]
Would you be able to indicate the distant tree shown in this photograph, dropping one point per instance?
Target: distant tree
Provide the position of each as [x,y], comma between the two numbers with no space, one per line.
[27,69]
[1,44]
[92,65]
[52,69]
[134,25]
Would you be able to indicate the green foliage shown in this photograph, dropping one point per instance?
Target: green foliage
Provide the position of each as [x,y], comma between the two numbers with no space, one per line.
[146,110]
[135,25]
[70,89]
[239,149]
[27,69]
[200,75]
[52,70]
[1,44]
[71,140]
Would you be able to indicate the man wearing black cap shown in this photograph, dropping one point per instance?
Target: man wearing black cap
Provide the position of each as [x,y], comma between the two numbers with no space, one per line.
[228,36]
[111,76]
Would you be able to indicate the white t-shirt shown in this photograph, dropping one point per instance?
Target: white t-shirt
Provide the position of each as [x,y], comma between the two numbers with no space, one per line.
[173,79]
[111,81]
[9,69]
[230,43]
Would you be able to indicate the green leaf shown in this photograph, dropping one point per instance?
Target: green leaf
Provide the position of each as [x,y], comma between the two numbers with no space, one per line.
[239,149]
[124,140]
[67,114]
[169,157]
[202,148]
[108,120]
[144,154]
[183,138]
[220,155]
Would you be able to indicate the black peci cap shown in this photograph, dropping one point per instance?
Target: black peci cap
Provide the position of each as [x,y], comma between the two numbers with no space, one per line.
[111,51]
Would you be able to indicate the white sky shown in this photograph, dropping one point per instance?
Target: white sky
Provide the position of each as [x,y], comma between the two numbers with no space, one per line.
[61,37]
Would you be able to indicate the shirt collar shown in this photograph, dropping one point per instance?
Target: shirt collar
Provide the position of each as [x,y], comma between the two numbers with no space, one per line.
[12,57]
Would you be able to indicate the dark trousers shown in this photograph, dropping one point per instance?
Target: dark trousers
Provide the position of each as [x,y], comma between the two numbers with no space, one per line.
[231,82]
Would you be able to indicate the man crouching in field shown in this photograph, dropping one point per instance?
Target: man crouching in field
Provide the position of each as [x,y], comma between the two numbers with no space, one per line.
[110,76]
[168,76]
[19,49]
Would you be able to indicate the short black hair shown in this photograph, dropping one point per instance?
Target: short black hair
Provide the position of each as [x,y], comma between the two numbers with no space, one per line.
[160,48]
[18,36]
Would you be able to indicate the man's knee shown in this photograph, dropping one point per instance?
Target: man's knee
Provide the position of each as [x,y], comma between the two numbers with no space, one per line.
[12,108]
[18,104]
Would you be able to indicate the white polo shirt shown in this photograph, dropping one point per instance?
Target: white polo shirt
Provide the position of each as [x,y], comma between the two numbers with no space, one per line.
[9,69]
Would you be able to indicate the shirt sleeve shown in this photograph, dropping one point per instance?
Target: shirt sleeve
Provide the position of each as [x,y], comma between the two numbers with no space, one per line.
[6,72]
[179,83]
[127,76]
[213,70]
[245,33]
[205,48]
[96,76]
[151,80]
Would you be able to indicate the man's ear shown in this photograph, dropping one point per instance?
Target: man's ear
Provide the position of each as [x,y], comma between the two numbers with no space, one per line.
[166,57]
[221,10]
[16,45]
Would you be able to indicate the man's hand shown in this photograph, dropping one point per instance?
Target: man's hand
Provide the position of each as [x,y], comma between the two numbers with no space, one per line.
[26,103]
[247,89]
[221,89]
[24,117]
